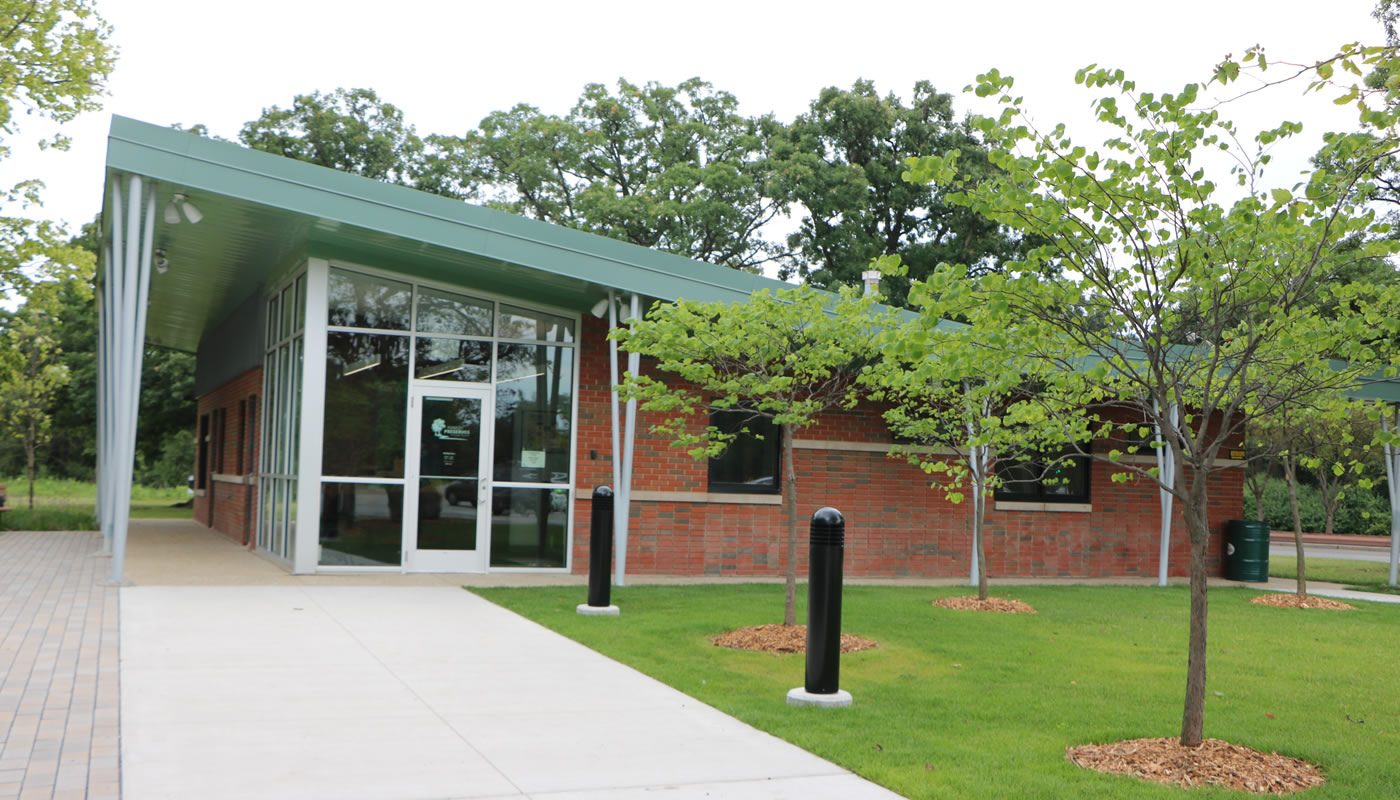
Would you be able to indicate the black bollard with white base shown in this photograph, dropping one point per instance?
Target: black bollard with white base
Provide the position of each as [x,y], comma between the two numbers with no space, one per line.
[824,572]
[600,557]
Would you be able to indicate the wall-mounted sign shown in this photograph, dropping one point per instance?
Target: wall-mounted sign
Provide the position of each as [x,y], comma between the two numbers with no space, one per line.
[532,459]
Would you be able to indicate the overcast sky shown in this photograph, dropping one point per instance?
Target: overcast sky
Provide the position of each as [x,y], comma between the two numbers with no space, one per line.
[447,64]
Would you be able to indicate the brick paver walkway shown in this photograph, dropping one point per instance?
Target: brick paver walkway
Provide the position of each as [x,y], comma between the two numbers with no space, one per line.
[58,669]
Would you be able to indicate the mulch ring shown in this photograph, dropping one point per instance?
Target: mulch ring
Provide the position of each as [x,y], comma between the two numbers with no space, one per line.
[1290,600]
[1214,762]
[1000,605]
[783,639]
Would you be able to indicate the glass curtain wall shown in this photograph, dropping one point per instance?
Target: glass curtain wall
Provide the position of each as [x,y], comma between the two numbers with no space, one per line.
[281,424]
[384,334]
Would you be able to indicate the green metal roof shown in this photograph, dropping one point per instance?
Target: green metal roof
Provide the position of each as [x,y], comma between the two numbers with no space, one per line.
[264,213]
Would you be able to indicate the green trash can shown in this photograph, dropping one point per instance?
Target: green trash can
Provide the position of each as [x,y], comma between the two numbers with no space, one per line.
[1247,551]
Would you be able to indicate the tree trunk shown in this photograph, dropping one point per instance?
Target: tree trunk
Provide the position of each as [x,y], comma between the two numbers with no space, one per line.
[979,515]
[1329,487]
[29,458]
[1257,483]
[790,478]
[1193,714]
[1290,474]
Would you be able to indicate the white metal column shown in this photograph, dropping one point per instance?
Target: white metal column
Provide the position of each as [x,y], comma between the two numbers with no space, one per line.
[616,425]
[1390,422]
[126,284]
[306,544]
[1166,474]
[622,512]
[100,506]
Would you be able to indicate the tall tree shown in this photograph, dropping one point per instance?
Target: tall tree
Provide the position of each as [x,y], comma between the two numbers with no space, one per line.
[30,375]
[54,57]
[167,381]
[671,168]
[787,357]
[841,165]
[1157,260]
[347,129]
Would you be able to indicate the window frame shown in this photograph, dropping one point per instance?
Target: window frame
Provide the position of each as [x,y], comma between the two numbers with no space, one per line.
[1084,459]
[730,487]
[201,481]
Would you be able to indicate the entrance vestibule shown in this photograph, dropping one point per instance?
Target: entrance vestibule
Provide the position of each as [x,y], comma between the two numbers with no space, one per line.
[446,442]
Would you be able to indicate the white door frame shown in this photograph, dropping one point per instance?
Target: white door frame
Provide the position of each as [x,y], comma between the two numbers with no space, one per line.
[415,560]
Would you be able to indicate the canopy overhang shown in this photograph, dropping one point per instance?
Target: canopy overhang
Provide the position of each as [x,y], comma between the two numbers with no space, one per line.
[263,214]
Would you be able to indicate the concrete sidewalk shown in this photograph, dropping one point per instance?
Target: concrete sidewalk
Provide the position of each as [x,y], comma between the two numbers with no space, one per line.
[239,680]
[415,692]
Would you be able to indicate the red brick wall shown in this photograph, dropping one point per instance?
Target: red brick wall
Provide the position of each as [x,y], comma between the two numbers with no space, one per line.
[896,524]
[230,508]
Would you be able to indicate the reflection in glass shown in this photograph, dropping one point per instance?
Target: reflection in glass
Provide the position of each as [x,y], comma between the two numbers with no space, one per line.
[291,492]
[528,527]
[289,309]
[273,317]
[295,392]
[446,312]
[284,377]
[750,462]
[534,408]
[365,301]
[300,321]
[520,323]
[366,399]
[278,486]
[360,525]
[452,360]
[447,514]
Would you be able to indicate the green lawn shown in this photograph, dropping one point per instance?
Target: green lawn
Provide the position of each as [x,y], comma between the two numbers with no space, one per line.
[1368,576]
[965,705]
[61,504]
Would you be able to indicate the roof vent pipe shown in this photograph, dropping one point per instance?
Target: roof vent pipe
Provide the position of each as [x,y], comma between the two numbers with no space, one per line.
[871,279]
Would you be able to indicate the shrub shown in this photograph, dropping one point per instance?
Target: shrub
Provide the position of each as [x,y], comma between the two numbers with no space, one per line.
[1361,511]
[48,519]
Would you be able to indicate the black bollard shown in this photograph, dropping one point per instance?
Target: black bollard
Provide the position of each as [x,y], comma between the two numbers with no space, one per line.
[824,601]
[600,549]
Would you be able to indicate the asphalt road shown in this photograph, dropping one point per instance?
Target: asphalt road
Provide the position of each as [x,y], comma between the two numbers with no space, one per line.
[1376,554]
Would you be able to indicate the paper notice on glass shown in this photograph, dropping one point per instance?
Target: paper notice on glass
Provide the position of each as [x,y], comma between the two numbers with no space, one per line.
[532,459]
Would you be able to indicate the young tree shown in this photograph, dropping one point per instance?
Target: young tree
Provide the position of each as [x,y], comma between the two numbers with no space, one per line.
[54,56]
[1172,296]
[1316,434]
[788,357]
[30,375]
[961,398]
[1366,77]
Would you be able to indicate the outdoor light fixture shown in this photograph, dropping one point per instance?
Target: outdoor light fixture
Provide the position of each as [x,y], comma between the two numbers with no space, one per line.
[599,308]
[180,203]
[361,366]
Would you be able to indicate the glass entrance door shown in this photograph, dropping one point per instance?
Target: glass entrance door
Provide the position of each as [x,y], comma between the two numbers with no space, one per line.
[446,481]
